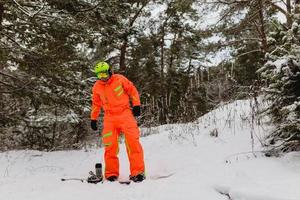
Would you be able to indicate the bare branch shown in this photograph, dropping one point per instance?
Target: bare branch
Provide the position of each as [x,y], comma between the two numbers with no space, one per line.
[90,9]
[278,8]
[8,75]
[228,2]
[32,15]
[26,12]
[249,52]
[37,12]
[7,84]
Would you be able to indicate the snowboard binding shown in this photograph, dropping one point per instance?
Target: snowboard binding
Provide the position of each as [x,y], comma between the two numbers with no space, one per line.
[98,177]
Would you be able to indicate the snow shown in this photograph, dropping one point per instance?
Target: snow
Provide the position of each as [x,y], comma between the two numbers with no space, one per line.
[204,167]
[280,16]
[279,63]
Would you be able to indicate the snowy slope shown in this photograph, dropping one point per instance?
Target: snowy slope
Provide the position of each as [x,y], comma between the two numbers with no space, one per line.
[204,166]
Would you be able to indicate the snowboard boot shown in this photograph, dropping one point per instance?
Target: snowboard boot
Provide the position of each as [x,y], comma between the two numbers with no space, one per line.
[138,178]
[98,177]
[98,168]
[112,178]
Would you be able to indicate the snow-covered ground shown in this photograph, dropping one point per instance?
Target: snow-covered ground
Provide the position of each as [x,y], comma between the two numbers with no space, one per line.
[204,166]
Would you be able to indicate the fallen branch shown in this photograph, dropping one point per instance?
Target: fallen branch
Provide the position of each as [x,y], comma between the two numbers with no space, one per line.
[225,194]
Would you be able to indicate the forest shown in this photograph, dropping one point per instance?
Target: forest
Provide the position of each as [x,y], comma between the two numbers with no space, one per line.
[186,57]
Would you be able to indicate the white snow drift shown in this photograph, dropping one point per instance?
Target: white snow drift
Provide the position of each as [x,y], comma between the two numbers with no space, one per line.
[212,159]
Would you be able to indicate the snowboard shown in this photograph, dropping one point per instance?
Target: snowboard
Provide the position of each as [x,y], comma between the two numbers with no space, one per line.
[123,182]
[84,180]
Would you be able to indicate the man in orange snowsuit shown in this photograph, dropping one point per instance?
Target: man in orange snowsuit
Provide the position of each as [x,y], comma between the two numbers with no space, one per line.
[112,93]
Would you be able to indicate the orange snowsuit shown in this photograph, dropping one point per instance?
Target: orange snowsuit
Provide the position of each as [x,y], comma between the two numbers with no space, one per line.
[113,96]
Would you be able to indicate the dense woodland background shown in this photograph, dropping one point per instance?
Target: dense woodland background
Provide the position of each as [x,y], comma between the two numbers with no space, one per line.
[173,50]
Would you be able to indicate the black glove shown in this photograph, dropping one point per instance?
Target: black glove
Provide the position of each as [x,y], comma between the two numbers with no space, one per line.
[94,125]
[136,110]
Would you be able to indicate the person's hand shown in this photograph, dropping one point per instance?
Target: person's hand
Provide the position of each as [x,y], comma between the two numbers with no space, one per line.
[136,110]
[94,125]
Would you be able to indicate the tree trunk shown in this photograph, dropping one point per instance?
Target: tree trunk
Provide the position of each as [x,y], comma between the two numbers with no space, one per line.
[162,63]
[289,11]
[297,6]
[126,35]
[162,77]
[1,14]
[54,128]
[123,56]
[262,30]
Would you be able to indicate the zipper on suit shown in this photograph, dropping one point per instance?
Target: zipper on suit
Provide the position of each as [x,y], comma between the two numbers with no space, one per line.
[105,95]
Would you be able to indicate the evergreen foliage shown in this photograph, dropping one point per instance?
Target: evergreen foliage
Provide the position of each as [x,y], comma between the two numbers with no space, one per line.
[281,75]
[48,48]
[43,78]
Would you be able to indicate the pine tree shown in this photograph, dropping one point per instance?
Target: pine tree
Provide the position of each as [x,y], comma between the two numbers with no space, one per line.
[43,79]
[281,75]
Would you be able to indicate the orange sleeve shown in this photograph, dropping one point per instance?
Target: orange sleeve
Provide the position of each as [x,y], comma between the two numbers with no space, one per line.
[96,105]
[131,90]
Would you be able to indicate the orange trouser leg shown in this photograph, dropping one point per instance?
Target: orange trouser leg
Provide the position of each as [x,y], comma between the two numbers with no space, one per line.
[134,148]
[110,141]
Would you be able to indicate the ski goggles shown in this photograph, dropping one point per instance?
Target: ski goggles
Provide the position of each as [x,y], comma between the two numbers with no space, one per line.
[102,75]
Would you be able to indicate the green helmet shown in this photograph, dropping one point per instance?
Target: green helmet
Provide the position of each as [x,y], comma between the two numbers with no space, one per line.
[101,67]
[102,70]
